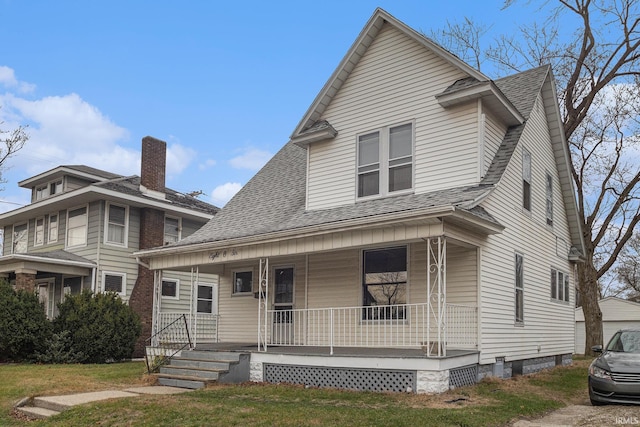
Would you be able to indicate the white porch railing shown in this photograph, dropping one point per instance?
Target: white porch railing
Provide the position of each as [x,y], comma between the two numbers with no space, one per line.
[203,328]
[391,326]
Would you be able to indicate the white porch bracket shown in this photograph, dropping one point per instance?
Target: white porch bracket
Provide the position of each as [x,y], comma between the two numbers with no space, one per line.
[436,296]
[263,305]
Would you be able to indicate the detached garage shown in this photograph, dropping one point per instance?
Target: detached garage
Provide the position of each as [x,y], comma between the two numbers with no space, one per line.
[616,314]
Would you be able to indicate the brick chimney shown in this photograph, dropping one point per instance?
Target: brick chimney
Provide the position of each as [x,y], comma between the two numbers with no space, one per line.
[152,183]
[153,165]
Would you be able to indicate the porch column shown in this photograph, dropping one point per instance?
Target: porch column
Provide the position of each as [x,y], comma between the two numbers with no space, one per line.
[436,296]
[263,304]
[157,309]
[26,281]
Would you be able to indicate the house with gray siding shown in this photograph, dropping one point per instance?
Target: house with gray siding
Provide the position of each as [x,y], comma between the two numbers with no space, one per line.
[83,225]
[418,231]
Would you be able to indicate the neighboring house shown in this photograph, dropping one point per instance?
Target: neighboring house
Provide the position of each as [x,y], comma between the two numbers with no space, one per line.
[617,314]
[83,225]
[419,230]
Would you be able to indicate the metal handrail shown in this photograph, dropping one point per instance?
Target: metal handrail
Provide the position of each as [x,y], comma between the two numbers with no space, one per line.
[166,344]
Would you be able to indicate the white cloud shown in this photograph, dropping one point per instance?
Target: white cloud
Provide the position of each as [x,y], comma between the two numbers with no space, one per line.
[252,158]
[9,80]
[178,158]
[223,193]
[68,130]
[209,163]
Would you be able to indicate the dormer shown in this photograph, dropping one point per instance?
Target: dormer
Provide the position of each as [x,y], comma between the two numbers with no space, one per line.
[63,179]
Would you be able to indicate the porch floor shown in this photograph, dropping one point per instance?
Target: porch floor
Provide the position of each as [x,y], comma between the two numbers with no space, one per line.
[413,353]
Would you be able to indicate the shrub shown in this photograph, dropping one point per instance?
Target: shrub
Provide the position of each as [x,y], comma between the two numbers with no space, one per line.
[59,349]
[102,327]
[24,327]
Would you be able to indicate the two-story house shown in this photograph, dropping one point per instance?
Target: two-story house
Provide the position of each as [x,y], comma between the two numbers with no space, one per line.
[84,224]
[418,232]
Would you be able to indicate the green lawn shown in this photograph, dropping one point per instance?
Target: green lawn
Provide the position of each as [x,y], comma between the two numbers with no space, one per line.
[493,402]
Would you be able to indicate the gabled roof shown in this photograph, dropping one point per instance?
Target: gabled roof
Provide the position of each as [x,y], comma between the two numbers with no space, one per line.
[272,203]
[357,50]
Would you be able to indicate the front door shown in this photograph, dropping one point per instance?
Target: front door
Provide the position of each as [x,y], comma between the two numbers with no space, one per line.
[283,304]
[205,323]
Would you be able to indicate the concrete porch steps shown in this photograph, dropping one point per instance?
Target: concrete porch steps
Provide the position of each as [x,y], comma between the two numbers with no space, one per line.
[35,412]
[194,369]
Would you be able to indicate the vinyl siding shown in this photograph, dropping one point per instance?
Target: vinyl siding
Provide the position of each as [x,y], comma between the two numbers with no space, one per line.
[548,325]
[494,132]
[395,82]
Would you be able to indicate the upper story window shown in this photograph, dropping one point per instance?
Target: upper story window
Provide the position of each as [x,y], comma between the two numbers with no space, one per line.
[48,189]
[171,230]
[77,227]
[526,180]
[20,238]
[38,238]
[385,161]
[549,199]
[53,228]
[116,232]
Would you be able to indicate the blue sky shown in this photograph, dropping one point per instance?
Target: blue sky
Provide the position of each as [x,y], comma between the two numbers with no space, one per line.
[223,83]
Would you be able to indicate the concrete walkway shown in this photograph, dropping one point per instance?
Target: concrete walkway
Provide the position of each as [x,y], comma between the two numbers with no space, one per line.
[46,406]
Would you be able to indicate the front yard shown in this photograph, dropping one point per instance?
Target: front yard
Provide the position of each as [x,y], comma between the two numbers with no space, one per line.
[493,402]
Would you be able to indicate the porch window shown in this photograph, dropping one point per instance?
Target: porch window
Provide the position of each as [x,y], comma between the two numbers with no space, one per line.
[384,283]
[39,234]
[20,236]
[526,180]
[170,288]
[205,299]
[116,232]
[171,230]
[549,199]
[385,161]
[77,227]
[519,290]
[559,285]
[53,228]
[114,282]
[242,282]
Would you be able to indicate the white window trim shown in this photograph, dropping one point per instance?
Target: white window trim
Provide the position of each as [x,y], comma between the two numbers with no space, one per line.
[214,295]
[49,239]
[566,291]
[35,231]
[518,322]
[233,283]
[548,199]
[86,229]
[179,228]
[177,282]
[13,237]
[124,244]
[113,273]
[383,161]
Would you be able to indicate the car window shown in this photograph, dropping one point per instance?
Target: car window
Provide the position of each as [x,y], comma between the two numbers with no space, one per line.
[625,341]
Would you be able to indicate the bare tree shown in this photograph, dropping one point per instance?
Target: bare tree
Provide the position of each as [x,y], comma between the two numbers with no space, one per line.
[594,49]
[628,269]
[11,141]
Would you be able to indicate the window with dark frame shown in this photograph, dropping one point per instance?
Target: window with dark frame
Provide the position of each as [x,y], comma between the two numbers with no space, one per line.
[384,283]
[205,299]
[242,282]
[114,283]
[170,288]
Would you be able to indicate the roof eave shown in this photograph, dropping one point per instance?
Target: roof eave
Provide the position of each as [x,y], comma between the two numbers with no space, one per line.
[322,135]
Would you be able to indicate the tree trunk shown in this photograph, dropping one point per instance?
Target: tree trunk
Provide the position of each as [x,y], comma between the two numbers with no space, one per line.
[589,296]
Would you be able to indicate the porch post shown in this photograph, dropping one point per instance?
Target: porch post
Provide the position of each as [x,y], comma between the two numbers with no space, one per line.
[263,304]
[436,295]
[194,331]
[155,317]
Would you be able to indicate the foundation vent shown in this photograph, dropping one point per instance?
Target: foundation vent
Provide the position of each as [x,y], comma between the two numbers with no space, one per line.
[345,378]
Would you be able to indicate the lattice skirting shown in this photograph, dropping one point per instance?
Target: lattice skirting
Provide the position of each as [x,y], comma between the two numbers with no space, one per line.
[345,378]
[466,375]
